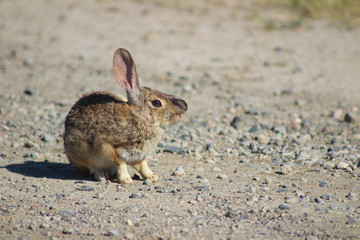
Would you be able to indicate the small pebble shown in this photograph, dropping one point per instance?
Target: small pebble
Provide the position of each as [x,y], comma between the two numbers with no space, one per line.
[286,169]
[84,188]
[351,221]
[352,196]
[324,184]
[349,118]
[215,169]
[311,238]
[337,114]
[30,91]
[327,197]
[179,171]
[147,182]
[235,122]
[112,233]
[222,176]
[284,207]
[137,195]
[342,165]
[291,200]
[173,149]
[99,195]
[48,138]
[30,144]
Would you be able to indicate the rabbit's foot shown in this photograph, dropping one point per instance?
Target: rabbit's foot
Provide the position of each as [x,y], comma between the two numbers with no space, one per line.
[153,177]
[145,171]
[125,179]
[123,175]
[100,175]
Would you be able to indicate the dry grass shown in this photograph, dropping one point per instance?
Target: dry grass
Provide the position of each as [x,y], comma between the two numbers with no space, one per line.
[347,11]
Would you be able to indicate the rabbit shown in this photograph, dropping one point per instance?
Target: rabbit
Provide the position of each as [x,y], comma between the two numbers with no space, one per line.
[104,133]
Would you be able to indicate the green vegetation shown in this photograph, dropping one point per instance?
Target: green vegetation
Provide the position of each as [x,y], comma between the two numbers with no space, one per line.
[268,11]
[347,11]
[326,8]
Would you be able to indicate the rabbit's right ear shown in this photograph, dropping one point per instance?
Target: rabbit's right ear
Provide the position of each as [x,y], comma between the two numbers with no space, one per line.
[125,74]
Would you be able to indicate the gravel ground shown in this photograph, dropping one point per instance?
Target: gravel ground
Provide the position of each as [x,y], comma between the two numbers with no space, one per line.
[270,146]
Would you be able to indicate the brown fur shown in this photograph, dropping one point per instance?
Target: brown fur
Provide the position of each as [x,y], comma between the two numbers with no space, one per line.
[104,132]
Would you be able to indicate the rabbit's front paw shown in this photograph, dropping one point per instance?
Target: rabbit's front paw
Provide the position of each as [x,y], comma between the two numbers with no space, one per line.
[153,177]
[126,179]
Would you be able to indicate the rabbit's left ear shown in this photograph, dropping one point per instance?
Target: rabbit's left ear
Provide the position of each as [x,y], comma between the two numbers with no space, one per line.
[125,74]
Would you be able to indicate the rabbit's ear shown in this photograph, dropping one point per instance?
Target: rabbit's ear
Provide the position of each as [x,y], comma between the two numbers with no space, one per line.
[125,74]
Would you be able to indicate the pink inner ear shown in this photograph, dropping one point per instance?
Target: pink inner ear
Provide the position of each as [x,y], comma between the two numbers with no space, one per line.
[120,72]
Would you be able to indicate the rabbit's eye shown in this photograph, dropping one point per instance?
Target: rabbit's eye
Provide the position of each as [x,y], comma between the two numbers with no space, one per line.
[156,103]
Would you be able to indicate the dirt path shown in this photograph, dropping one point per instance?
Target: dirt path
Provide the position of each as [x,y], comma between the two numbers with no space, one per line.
[287,168]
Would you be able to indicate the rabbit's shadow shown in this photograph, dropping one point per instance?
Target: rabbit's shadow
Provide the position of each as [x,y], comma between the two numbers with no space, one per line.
[46,170]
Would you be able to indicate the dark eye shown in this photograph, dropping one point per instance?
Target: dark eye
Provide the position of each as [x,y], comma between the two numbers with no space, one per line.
[156,103]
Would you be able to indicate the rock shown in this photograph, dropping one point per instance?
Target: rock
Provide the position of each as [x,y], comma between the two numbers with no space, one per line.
[147,182]
[349,118]
[232,213]
[324,184]
[286,169]
[337,114]
[99,195]
[48,138]
[283,188]
[235,122]
[318,200]
[30,91]
[286,91]
[352,196]
[173,149]
[121,188]
[179,171]
[31,227]
[44,225]
[342,165]
[187,88]
[328,165]
[291,200]
[222,176]
[112,233]
[137,195]
[303,139]
[31,144]
[210,161]
[215,169]
[85,188]
[279,129]
[161,189]
[311,238]
[351,221]
[284,207]
[254,128]
[335,141]
[269,179]
[213,152]
[327,197]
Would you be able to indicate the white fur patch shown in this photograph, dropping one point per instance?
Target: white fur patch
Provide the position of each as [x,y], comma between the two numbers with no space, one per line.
[134,157]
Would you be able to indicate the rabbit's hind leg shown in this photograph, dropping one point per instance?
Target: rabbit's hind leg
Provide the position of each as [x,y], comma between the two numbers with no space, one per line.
[145,171]
[101,175]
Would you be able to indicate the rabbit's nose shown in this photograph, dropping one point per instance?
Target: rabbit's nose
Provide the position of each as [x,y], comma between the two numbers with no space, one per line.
[180,104]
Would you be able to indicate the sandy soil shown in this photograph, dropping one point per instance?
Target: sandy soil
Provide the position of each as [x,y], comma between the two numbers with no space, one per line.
[288,168]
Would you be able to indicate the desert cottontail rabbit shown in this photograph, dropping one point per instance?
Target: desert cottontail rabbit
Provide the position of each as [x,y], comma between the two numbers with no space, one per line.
[104,133]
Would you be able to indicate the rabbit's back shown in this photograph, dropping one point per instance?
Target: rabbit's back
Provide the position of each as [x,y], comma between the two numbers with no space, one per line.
[103,118]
